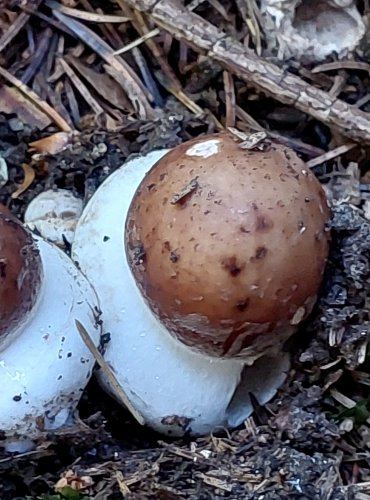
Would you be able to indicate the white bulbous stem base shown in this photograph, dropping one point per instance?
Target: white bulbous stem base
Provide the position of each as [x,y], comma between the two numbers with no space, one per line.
[46,367]
[176,390]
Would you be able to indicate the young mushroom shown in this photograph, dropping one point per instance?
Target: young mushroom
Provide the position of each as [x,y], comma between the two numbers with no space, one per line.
[44,363]
[53,214]
[312,30]
[206,259]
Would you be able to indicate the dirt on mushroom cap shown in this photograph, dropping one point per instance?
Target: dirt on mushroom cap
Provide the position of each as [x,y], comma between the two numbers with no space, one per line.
[228,245]
[20,272]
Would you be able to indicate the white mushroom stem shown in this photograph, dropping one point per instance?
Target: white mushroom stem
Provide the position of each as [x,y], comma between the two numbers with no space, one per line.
[175,389]
[46,366]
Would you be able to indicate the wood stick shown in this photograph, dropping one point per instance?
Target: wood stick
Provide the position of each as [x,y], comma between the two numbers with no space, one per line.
[263,75]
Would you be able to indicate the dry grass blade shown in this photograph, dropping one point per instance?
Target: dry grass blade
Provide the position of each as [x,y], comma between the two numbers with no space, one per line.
[130,85]
[86,16]
[252,23]
[108,372]
[137,42]
[81,87]
[102,83]
[16,27]
[140,23]
[337,65]
[229,99]
[330,155]
[32,96]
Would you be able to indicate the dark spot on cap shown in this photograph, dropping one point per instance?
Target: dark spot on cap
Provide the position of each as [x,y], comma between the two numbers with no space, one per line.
[232,266]
[283,177]
[260,253]
[243,305]
[106,238]
[174,257]
[263,223]
[17,398]
[2,269]
[167,246]
[243,229]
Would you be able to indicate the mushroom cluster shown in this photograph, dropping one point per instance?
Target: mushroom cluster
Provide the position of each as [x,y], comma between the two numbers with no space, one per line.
[206,259]
[44,363]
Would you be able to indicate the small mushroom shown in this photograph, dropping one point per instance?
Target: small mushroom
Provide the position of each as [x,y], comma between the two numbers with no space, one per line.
[54,214]
[44,363]
[312,30]
[206,259]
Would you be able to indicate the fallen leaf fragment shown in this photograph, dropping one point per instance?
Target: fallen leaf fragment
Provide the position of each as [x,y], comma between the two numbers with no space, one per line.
[29,176]
[12,101]
[52,144]
[73,481]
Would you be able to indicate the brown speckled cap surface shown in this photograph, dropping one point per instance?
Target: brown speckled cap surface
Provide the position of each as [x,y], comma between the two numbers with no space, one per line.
[20,272]
[228,245]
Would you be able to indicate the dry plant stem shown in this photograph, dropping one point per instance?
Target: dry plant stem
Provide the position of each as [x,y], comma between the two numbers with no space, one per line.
[108,372]
[87,16]
[16,26]
[330,155]
[229,99]
[121,71]
[42,105]
[263,75]
[81,87]
[139,22]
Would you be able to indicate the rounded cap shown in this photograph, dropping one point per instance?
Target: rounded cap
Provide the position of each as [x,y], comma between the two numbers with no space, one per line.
[54,214]
[228,245]
[20,273]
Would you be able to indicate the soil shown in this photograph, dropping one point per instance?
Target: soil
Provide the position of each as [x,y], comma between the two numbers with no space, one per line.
[312,440]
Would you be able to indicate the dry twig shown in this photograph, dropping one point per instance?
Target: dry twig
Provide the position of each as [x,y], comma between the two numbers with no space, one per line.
[263,75]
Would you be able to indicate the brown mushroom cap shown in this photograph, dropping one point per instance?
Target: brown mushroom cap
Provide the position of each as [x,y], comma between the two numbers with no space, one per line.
[228,245]
[20,272]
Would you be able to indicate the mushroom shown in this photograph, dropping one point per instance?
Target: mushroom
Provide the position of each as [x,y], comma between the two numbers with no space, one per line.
[44,363]
[206,259]
[311,30]
[54,214]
